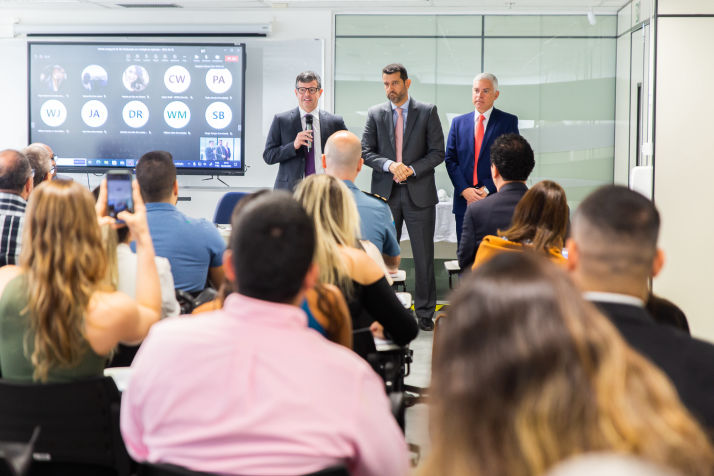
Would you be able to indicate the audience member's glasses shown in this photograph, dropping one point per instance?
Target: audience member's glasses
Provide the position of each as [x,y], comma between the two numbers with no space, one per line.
[52,169]
[305,90]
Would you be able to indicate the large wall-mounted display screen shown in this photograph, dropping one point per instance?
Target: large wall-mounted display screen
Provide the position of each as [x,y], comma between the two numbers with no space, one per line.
[103,105]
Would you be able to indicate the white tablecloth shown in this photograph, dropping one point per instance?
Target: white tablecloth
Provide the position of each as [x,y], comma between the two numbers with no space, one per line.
[445,229]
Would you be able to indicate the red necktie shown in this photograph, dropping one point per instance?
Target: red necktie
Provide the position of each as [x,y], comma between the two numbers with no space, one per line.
[477,146]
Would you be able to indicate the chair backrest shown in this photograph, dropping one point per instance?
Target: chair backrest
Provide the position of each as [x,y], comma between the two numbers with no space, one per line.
[224,209]
[79,424]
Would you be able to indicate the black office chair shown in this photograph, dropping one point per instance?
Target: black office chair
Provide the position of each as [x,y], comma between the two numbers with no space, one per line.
[164,469]
[224,209]
[79,424]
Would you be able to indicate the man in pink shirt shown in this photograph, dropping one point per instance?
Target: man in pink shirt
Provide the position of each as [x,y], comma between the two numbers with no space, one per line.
[250,389]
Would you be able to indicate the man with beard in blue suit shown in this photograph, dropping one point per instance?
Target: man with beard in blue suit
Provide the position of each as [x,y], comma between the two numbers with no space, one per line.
[468,148]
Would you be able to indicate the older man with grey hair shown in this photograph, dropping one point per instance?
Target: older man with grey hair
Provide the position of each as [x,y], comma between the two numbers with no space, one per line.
[468,148]
[343,159]
[53,163]
[15,186]
[41,162]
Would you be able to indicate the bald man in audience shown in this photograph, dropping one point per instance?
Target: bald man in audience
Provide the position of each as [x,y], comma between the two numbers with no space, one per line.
[250,389]
[40,161]
[15,187]
[613,254]
[343,160]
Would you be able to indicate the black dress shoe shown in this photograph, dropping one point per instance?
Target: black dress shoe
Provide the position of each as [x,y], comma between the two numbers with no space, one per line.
[426,324]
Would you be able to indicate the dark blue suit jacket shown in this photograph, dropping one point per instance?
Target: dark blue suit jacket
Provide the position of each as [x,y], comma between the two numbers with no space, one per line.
[460,152]
[486,217]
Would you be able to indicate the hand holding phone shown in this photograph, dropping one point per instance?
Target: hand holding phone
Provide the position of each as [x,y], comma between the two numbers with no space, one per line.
[119,192]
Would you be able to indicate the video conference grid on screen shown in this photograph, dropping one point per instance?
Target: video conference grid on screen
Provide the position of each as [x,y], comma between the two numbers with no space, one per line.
[103,105]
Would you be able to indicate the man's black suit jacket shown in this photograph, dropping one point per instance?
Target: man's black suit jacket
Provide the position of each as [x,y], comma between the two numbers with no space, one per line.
[279,147]
[688,362]
[487,216]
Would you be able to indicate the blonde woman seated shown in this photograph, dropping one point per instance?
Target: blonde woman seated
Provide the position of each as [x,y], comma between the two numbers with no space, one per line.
[59,320]
[539,223]
[370,298]
[534,375]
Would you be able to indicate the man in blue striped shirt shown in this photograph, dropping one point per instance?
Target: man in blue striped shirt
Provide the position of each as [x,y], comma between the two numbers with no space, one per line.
[15,186]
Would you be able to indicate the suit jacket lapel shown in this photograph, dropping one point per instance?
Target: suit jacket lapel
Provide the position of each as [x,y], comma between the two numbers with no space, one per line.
[412,114]
[492,121]
[324,129]
[295,120]
[389,124]
[470,133]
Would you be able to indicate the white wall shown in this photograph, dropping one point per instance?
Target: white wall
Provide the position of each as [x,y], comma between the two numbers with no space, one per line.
[684,166]
[290,47]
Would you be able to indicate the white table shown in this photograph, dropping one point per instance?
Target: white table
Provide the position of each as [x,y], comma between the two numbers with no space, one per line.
[445,229]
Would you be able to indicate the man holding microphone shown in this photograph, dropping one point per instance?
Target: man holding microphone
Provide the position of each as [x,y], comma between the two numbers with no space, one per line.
[297,137]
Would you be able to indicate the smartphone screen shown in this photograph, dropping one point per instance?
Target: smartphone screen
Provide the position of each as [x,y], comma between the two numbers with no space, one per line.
[119,192]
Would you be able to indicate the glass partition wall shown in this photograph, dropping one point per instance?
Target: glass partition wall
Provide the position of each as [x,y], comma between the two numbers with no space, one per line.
[556,73]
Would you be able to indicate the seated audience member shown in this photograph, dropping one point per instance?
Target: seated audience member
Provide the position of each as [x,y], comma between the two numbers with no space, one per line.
[15,187]
[250,389]
[41,162]
[122,267]
[53,163]
[58,318]
[193,247]
[370,298]
[613,254]
[324,304]
[534,375]
[343,159]
[540,221]
[512,161]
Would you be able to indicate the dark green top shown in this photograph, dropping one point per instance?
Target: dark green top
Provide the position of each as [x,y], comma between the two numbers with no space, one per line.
[15,331]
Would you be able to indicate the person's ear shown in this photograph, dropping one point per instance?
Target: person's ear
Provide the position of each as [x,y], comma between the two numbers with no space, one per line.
[228,269]
[658,262]
[324,162]
[573,255]
[361,163]
[494,172]
[27,189]
[408,83]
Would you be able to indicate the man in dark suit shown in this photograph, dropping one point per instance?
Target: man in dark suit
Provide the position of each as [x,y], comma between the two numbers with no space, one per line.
[469,133]
[402,143]
[512,161]
[612,254]
[209,152]
[296,143]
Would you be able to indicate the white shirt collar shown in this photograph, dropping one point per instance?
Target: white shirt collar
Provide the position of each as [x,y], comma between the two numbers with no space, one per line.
[486,115]
[613,298]
[315,114]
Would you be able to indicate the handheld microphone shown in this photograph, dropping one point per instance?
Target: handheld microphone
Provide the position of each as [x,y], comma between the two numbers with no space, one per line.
[308,127]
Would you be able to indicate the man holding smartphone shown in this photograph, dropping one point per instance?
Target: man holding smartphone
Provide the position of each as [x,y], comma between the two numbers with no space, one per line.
[193,246]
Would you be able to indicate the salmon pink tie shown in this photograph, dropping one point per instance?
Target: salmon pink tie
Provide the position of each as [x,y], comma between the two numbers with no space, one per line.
[477,149]
[399,133]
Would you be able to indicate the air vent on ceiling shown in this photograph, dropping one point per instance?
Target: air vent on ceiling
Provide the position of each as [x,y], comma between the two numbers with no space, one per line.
[148,5]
